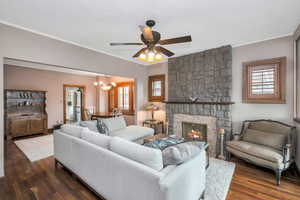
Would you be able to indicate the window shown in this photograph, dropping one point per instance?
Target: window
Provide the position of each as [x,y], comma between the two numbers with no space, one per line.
[156,88]
[264,81]
[122,97]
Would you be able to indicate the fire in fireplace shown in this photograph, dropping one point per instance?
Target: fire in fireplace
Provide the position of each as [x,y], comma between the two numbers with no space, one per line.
[194,131]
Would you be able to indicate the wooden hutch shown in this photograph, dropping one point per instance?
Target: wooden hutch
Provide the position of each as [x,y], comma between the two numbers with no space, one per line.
[25,113]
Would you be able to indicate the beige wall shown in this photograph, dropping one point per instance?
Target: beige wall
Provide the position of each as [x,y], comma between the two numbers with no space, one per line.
[52,82]
[262,50]
[24,45]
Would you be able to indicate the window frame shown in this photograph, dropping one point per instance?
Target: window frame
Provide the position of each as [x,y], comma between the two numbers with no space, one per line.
[151,80]
[296,93]
[115,96]
[279,83]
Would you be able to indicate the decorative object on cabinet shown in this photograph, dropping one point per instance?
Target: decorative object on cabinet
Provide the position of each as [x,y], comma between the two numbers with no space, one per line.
[25,113]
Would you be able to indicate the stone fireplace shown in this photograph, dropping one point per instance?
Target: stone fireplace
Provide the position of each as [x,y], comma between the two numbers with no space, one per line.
[194,131]
[206,75]
[208,122]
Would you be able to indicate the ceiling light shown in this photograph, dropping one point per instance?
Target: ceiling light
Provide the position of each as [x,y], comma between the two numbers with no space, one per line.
[143,57]
[158,57]
[106,87]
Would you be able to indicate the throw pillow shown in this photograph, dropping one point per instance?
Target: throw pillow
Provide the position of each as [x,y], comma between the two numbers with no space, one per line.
[180,153]
[114,123]
[162,143]
[102,128]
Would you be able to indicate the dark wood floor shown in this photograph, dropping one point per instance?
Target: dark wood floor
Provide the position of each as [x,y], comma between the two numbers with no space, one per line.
[41,181]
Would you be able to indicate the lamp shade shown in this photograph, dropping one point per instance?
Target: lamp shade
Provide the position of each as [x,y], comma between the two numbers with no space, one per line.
[151,107]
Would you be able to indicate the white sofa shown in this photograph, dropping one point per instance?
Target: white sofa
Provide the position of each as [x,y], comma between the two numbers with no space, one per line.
[118,169]
[117,127]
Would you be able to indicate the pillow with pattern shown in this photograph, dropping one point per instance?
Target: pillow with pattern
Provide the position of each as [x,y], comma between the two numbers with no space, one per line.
[102,128]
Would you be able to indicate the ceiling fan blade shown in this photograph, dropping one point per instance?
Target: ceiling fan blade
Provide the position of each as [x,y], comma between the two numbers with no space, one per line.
[125,43]
[147,33]
[164,51]
[176,40]
[139,52]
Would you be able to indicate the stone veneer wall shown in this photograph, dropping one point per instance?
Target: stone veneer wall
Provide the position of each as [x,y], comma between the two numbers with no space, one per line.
[207,75]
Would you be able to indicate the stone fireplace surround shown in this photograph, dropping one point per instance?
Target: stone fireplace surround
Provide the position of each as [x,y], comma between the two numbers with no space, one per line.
[211,128]
[208,76]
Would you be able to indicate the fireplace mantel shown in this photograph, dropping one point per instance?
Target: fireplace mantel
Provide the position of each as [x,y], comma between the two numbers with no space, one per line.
[200,102]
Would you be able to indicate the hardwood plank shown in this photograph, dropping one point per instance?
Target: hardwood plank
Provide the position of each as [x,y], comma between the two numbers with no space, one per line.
[42,181]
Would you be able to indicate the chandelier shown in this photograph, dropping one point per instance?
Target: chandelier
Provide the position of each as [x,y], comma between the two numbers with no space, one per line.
[105,86]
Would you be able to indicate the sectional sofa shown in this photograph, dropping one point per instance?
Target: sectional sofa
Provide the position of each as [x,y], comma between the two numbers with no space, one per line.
[116,168]
[116,126]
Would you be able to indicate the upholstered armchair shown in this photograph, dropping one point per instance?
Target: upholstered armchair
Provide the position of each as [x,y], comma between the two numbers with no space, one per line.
[266,143]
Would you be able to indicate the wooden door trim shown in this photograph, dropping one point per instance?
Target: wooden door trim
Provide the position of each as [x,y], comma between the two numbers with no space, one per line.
[83,87]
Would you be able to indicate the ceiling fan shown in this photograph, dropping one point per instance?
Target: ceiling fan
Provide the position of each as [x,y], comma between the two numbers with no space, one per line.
[152,52]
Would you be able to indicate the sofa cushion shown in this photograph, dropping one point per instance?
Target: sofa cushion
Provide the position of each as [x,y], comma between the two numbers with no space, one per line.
[133,133]
[114,123]
[92,125]
[73,130]
[180,153]
[102,128]
[95,138]
[274,140]
[257,153]
[144,155]
[269,126]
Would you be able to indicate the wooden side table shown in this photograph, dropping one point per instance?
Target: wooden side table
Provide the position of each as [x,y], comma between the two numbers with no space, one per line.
[154,124]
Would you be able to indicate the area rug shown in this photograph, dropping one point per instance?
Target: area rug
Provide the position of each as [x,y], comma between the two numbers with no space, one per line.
[36,148]
[218,179]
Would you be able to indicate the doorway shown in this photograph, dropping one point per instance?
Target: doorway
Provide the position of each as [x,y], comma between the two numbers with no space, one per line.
[74,103]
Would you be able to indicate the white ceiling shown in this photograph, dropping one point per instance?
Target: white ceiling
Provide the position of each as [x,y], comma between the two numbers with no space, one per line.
[212,23]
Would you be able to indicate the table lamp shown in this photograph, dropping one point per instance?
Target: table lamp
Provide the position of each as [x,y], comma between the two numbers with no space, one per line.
[151,107]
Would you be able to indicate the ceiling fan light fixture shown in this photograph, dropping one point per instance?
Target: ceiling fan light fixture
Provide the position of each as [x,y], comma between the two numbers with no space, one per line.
[158,57]
[143,57]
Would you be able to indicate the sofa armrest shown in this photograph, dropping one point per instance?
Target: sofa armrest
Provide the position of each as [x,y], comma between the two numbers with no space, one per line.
[186,181]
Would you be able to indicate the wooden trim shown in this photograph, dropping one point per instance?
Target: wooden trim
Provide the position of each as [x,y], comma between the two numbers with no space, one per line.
[83,98]
[280,69]
[296,76]
[151,79]
[210,103]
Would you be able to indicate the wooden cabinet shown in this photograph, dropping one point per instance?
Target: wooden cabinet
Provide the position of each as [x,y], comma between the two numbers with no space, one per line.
[25,113]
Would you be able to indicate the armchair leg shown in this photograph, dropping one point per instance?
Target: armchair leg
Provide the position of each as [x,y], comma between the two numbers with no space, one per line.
[228,156]
[278,176]
[202,195]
